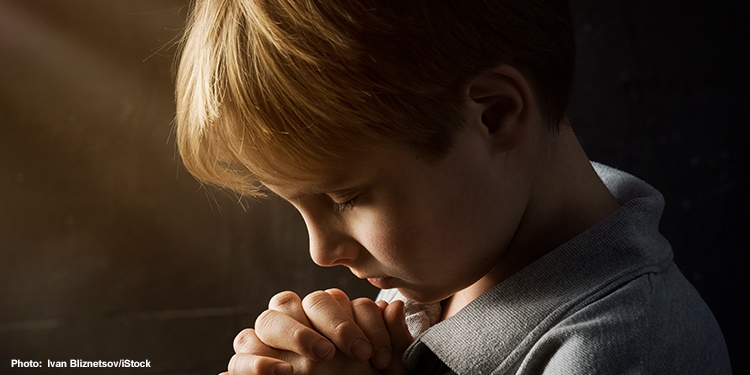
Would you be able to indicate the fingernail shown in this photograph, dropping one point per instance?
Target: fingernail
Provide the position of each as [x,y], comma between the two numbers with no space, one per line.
[361,350]
[281,368]
[321,348]
[382,358]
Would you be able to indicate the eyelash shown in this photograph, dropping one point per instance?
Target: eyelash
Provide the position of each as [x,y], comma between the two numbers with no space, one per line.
[339,207]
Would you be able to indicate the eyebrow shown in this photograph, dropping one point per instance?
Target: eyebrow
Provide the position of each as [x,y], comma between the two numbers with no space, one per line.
[330,187]
[311,189]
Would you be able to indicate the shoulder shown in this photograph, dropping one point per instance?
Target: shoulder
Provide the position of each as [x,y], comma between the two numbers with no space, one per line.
[652,322]
[656,323]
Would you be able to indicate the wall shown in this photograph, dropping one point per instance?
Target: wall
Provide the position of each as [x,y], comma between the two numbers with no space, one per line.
[109,249]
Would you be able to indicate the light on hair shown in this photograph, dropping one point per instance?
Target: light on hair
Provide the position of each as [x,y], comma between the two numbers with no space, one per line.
[279,90]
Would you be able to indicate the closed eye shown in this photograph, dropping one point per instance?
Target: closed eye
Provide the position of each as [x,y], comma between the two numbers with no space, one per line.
[339,207]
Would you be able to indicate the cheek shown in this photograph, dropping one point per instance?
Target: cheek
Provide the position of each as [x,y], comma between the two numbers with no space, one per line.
[379,234]
[392,239]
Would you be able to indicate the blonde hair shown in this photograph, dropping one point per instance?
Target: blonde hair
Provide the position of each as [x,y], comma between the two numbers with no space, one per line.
[277,90]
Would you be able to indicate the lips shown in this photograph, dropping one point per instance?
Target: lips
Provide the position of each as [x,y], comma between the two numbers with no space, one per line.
[381,282]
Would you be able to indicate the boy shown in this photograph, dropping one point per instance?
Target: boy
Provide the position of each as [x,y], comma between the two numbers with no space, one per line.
[427,147]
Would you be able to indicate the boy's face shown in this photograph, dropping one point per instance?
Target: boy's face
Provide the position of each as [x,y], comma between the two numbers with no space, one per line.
[428,229]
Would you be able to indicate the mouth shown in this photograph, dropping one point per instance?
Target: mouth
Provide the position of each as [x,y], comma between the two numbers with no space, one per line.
[381,282]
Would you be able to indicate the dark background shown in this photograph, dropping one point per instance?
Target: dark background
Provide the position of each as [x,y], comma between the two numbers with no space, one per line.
[109,249]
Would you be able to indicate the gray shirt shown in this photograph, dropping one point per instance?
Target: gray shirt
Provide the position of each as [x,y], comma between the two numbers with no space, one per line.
[609,301]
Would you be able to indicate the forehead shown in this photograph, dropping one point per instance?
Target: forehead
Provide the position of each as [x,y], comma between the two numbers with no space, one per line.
[364,166]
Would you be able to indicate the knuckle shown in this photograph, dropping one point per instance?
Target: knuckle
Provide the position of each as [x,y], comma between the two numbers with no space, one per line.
[264,320]
[269,327]
[258,365]
[247,364]
[297,334]
[232,367]
[339,296]
[345,327]
[244,339]
[382,305]
[364,303]
[283,299]
[337,293]
[367,310]
[314,299]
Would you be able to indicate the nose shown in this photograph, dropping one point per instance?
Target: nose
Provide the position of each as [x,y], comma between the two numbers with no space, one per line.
[330,245]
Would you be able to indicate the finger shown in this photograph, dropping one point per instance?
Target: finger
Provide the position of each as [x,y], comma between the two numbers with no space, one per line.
[247,342]
[369,317]
[395,321]
[250,364]
[280,331]
[330,319]
[342,299]
[382,304]
[290,304]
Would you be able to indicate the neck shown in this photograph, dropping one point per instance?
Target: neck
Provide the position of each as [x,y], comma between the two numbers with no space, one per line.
[567,198]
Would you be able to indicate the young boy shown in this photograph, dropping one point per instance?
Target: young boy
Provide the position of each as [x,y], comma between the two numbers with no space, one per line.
[427,147]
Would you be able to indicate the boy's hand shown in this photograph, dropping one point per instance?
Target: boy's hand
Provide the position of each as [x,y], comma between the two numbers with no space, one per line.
[305,327]
[295,332]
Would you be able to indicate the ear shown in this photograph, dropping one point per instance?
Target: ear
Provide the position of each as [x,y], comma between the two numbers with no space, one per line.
[501,100]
